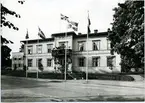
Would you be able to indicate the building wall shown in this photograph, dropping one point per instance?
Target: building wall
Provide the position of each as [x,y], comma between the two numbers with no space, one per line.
[100,69]
[69,39]
[44,56]
[103,43]
[17,58]
[44,46]
[103,53]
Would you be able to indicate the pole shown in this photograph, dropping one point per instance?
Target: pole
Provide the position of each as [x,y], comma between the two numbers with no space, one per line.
[26,58]
[65,54]
[37,58]
[87,50]
[87,60]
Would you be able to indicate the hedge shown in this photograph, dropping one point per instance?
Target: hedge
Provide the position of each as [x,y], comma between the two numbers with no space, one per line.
[81,75]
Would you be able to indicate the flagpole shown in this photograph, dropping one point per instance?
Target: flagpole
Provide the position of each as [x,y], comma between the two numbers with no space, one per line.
[65,54]
[26,58]
[63,17]
[87,51]
[26,53]
[37,58]
[87,60]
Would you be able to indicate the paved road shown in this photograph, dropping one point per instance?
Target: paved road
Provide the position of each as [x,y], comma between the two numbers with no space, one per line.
[18,89]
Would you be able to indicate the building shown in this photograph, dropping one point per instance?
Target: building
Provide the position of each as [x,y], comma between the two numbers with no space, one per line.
[39,51]
[17,60]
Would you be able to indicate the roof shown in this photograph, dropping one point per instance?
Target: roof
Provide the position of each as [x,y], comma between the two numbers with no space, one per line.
[100,34]
[63,34]
[38,40]
[17,54]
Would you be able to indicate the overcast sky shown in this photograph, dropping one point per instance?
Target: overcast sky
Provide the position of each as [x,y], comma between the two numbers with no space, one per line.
[46,15]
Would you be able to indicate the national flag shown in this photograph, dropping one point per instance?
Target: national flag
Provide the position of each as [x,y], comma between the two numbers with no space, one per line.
[73,25]
[27,36]
[89,23]
[63,17]
[11,42]
[41,34]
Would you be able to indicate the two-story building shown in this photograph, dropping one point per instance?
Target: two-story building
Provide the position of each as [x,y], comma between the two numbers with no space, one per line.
[96,52]
[17,60]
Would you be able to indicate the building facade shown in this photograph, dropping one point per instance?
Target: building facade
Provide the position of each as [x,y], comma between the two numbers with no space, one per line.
[17,60]
[95,53]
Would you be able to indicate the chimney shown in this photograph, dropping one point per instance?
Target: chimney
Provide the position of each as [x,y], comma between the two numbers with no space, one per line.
[96,31]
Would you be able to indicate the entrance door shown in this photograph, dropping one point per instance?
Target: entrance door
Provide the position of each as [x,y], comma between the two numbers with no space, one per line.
[62,62]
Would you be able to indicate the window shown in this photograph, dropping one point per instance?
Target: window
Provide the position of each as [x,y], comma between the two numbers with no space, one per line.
[38,62]
[49,62]
[30,49]
[63,44]
[81,62]
[96,45]
[29,62]
[96,61]
[108,44]
[81,45]
[110,61]
[39,48]
[49,48]
[19,65]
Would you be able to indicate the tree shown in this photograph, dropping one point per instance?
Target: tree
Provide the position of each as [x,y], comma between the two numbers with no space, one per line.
[5,53]
[4,12]
[59,54]
[5,50]
[127,34]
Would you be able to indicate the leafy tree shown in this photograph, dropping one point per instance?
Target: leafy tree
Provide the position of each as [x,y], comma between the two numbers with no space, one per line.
[127,34]
[5,52]
[59,53]
[4,12]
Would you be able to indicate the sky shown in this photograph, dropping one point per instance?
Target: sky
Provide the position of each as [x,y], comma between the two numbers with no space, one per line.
[46,15]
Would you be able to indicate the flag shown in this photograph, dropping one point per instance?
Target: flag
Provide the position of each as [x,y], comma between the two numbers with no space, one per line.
[63,17]
[11,42]
[73,25]
[27,36]
[89,23]
[41,34]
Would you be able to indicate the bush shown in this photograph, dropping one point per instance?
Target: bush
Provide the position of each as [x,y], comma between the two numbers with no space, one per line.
[18,73]
[77,75]
[110,77]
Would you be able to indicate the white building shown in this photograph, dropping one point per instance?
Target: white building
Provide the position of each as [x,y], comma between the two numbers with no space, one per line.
[17,60]
[99,58]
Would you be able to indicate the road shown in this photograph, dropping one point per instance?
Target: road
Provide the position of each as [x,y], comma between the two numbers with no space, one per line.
[18,89]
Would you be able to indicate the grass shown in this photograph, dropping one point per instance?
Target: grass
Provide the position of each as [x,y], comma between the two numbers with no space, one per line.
[114,99]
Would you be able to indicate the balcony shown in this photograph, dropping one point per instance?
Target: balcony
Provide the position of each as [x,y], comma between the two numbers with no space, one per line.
[59,52]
